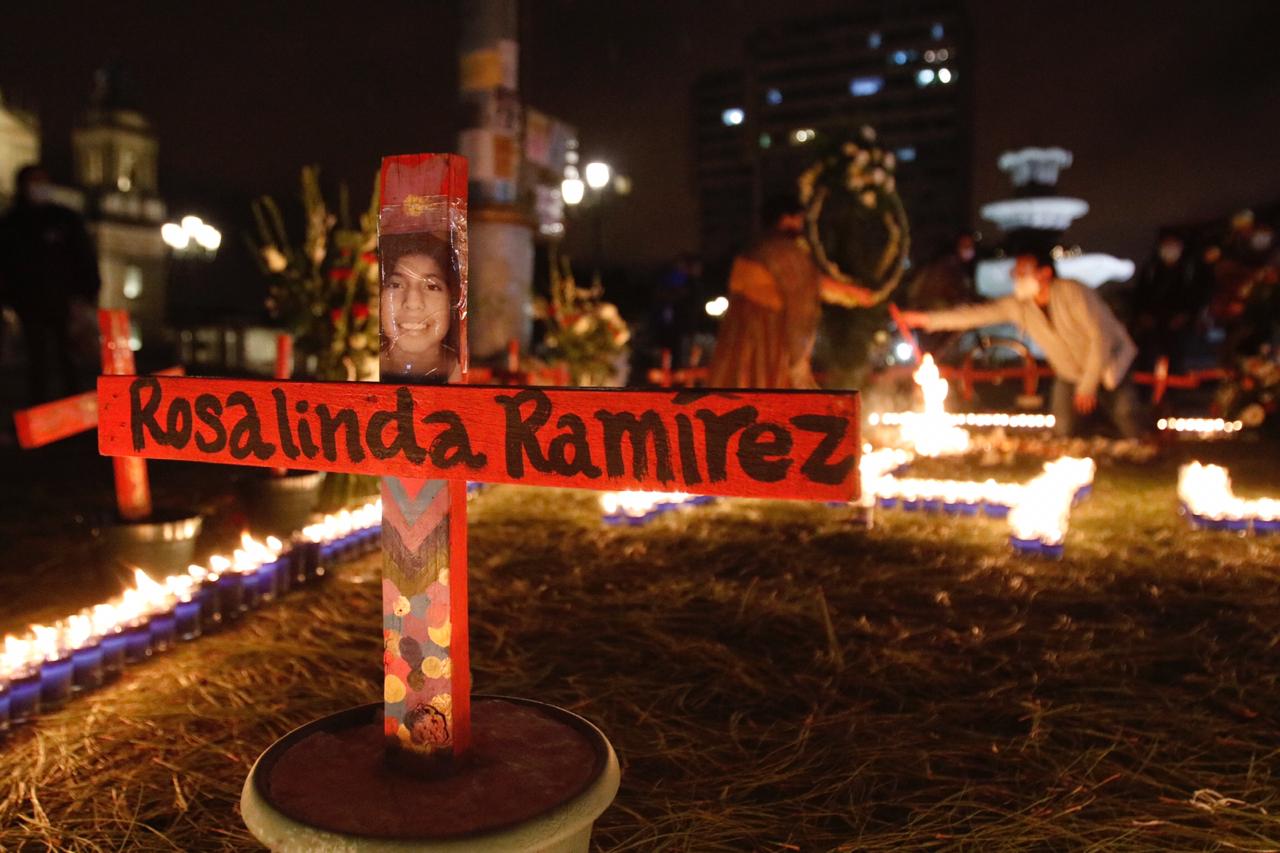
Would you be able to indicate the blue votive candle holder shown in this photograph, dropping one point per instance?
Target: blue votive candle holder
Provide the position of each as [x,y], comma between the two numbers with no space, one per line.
[314,561]
[186,619]
[932,504]
[1052,550]
[1238,525]
[252,589]
[951,507]
[1266,526]
[86,667]
[55,683]
[231,596]
[24,695]
[4,706]
[1025,546]
[887,502]
[137,642]
[113,648]
[284,574]
[969,507]
[995,510]
[911,504]
[164,631]
[210,609]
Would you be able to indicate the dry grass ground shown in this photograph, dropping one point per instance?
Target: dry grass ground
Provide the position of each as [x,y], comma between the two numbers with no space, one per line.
[772,678]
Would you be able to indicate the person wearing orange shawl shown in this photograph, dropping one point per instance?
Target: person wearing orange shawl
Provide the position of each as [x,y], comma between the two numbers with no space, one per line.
[775,291]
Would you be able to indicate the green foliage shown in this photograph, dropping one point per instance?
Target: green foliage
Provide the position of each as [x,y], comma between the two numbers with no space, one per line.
[582,329]
[325,290]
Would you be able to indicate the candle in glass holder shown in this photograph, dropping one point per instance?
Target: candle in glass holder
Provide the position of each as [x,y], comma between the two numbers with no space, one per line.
[137,641]
[24,679]
[86,653]
[4,704]
[230,588]
[207,595]
[55,666]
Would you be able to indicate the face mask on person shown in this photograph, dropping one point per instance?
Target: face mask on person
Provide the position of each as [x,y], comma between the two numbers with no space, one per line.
[1260,241]
[1170,253]
[966,254]
[1025,287]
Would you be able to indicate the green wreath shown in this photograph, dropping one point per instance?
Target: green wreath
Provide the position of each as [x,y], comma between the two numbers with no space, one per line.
[854,218]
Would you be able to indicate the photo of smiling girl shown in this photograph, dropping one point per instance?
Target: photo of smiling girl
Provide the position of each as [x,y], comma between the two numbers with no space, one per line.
[419,309]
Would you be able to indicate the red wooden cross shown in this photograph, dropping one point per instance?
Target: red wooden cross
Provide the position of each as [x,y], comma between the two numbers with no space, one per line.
[427,440]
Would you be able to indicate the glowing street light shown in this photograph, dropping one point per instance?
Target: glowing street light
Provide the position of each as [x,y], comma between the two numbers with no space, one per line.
[192,229]
[716,307]
[572,190]
[598,175]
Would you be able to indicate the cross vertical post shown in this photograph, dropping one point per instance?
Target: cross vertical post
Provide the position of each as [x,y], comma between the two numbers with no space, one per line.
[133,490]
[422,228]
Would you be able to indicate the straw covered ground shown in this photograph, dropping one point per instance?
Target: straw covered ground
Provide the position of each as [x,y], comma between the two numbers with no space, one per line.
[772,678]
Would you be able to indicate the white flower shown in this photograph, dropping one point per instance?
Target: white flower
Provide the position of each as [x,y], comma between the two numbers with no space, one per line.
[869,198]
[608,312]
[582,326]
[274,259]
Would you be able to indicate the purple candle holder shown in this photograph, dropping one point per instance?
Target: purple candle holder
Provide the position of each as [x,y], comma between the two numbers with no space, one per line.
[186,619]
[311,567]
[210,609]
[1029,547]
[1238,526]
[1052,551]
[137,642]
[283,574]
[951,507]
[994,509]
[231,596]
[113,652]
[24,696]
[55,683]
[86,667]
[969,508]
[1266,526]
[887,502]
[251,584]
[932,504]
[4,706]
[164,631]
[911,504]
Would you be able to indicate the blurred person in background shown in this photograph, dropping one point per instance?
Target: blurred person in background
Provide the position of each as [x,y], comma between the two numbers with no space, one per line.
[47,265]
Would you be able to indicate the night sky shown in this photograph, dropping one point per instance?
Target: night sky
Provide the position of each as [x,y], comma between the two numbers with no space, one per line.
[1172,109]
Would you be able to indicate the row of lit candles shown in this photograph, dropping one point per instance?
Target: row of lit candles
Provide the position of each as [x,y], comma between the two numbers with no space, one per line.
[1207,500]
[1038,511]
[1199,426]
[42,669]
[967,419]
[635,508]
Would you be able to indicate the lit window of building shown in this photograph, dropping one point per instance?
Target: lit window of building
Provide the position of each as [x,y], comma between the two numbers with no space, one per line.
[732,116]
[874,39]
[861,87]
[773,97]
[906,154]
[924,77]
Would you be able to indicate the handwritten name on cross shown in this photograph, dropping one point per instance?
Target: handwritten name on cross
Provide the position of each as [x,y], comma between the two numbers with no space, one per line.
[427,440]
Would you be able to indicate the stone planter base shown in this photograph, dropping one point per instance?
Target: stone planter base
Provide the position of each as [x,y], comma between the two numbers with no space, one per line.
[561,825]
[280,505]
[162,545]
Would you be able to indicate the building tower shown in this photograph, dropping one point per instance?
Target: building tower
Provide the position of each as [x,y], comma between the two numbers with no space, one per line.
[115,153]
[898,66]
